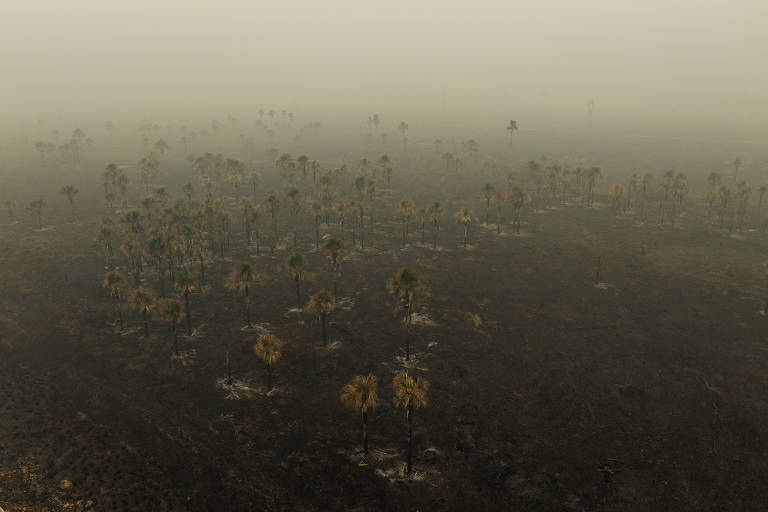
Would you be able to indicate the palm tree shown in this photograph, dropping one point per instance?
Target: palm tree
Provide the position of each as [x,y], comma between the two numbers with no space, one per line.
[762,190]
[647,180]
[269,348]
[465,216]
[518,197]
[405,210]
[497,200]
[511,128]
[408,290]
[736,164]
[70,191]
[115,284]
[322,303]
[593,176]
[403,127]
[170,309]
[184,284]
[240,280]
[410,394]
[488,191]
[334,246]
[436,212]
[144,301]
[295,266]
[10,206]
[360,395]
[36,209]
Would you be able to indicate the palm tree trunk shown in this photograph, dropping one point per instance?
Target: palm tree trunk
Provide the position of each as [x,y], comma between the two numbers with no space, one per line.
[298,292]
[365,433]
[146,322]
[322,318]
[410,440]
[120,315]
[175,339]
[186,309]
[269,378]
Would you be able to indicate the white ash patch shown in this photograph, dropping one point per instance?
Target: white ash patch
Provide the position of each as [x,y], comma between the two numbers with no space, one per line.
[257,329]
[238,389]
[185,357]
[423,319]
[345,303]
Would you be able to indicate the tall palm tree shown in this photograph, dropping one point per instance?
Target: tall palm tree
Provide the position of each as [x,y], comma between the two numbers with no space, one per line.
[406,211]
[171,309]
[465,216]
[269,348]
[144,302]
[36,209]
[518,197]
[70,192]
[360,395]
[334,246]
[436,212]
[296,268]
[762,190]
[511,128]
[410,394]
[322,303]
[241,279]
[115,284]
[407,289]
[10,207]
[184,284]
[488,191]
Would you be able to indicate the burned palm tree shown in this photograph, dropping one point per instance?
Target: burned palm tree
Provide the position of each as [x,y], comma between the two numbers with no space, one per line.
[487,194]
[171,309]
[184,284]
[269,348]
[70,192]
[410,394]
[405,210]
[407,289]
[360,395]
[115,284]
[296,268]
[465,216]
[322,304]
[144,302]
[334,246]
[240,280]
[436,213]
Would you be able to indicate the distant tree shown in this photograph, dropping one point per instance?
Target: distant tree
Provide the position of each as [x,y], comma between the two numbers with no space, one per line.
[410,394]
[321,304]
[465,216]
[295,266]
[617,191]
[143,301]
[161,146]
[360,395]
[116,285]
[498,200]
[403,127]
[448,157]
[487,193]
[188,191]
[511,128]
[761,191]
[10,207]
[36,210]
[269,348]
[736,164]
[593,176]
[70,192]
[646,182]
[408,290]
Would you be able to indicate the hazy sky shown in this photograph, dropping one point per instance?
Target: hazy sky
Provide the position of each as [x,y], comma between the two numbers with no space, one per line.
[698,58]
